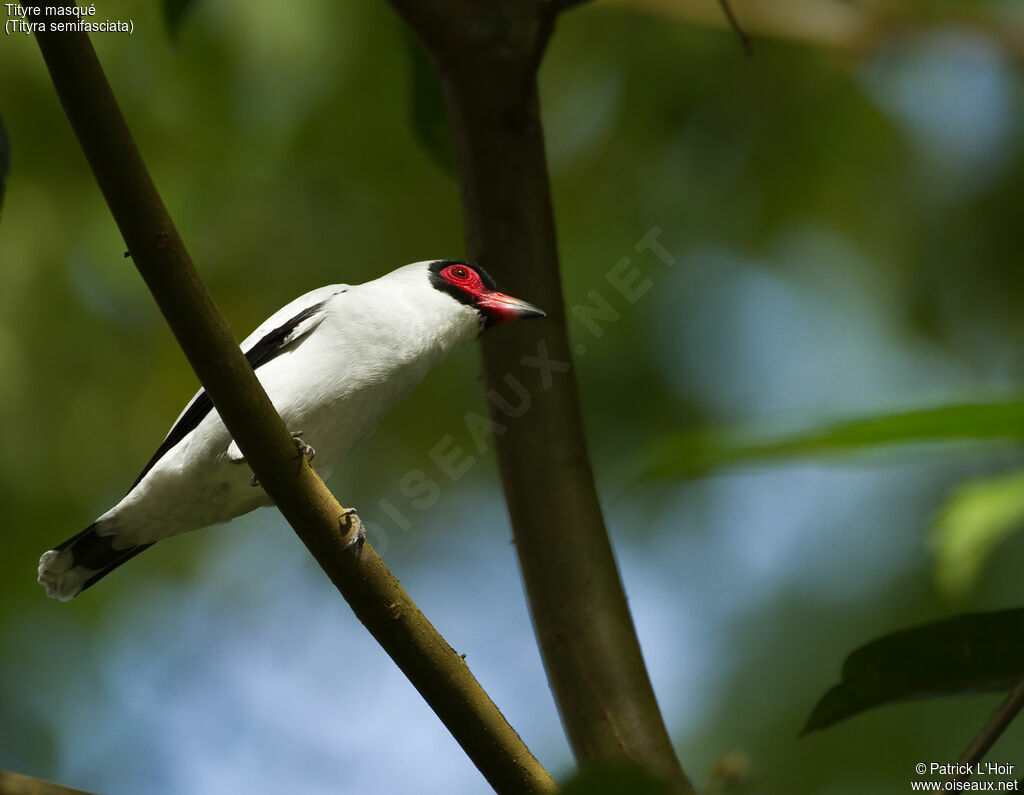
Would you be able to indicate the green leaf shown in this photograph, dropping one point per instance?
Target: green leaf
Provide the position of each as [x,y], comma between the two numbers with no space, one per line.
[970,653]
[429,120]
[175,12]
[692,454]
[976,518]
[5,159]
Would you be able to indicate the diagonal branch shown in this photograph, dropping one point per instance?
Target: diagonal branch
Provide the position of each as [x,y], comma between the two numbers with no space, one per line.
[487,55]
[998,722]
[734,23]
[18,784]
[439,674]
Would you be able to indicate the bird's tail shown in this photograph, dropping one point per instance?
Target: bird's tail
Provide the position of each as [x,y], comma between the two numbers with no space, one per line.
[69,568]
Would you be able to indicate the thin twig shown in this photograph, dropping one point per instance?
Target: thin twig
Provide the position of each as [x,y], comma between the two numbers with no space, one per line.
[734,23]
[565,5]
[1000,719]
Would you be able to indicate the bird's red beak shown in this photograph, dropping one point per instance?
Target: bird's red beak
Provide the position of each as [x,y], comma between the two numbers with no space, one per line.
[503,308]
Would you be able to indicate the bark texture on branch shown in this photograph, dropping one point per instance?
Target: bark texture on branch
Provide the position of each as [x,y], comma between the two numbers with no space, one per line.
[487,55]
[440,675]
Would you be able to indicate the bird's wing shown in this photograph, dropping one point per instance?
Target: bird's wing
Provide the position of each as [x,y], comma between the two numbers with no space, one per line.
[273,336]
[288,324]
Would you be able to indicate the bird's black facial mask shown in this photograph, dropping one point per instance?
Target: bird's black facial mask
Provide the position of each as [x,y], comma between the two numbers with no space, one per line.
[472,285]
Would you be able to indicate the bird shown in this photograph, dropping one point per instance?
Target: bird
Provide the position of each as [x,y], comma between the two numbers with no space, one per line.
[334,362]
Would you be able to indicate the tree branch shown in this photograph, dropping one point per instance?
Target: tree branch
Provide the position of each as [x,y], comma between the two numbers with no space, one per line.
[439,674]
[487,55]
[998,722]
[18,784]
[734,23]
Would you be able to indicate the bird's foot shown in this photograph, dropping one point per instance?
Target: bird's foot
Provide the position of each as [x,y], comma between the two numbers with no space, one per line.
[304,450]
[352,526]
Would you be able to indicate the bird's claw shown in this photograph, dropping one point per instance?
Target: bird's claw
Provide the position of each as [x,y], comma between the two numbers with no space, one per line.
[354,530]
[304,450]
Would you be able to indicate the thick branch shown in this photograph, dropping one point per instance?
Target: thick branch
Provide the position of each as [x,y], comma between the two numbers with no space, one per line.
[439,674]
[579,609]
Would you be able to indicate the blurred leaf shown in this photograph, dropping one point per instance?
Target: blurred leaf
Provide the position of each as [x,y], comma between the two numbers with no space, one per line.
[429,121]
[693,454]
[5,159]
[971,653]
[615,779]
[175,12]
[973,521]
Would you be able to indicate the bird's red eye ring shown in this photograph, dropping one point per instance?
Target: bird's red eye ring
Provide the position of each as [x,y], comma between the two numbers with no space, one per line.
[459,274]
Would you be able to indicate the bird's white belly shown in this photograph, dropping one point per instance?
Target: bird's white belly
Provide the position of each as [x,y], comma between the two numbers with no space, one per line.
[197,483]
[192,486]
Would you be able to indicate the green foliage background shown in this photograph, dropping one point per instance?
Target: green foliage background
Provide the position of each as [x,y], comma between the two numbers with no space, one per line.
[292,151]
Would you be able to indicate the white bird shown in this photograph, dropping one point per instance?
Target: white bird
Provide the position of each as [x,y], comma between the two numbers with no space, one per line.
[333,362]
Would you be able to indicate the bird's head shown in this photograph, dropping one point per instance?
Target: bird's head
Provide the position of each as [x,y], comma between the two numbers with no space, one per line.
[471,285]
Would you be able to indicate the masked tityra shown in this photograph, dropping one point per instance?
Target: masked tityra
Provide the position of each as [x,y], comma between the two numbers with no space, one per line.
[333,362]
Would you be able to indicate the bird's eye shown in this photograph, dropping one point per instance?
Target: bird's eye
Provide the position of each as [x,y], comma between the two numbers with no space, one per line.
[459,275]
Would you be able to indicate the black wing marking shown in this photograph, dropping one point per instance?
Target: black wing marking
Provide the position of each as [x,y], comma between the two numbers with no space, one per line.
[273,343]
[198,408]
